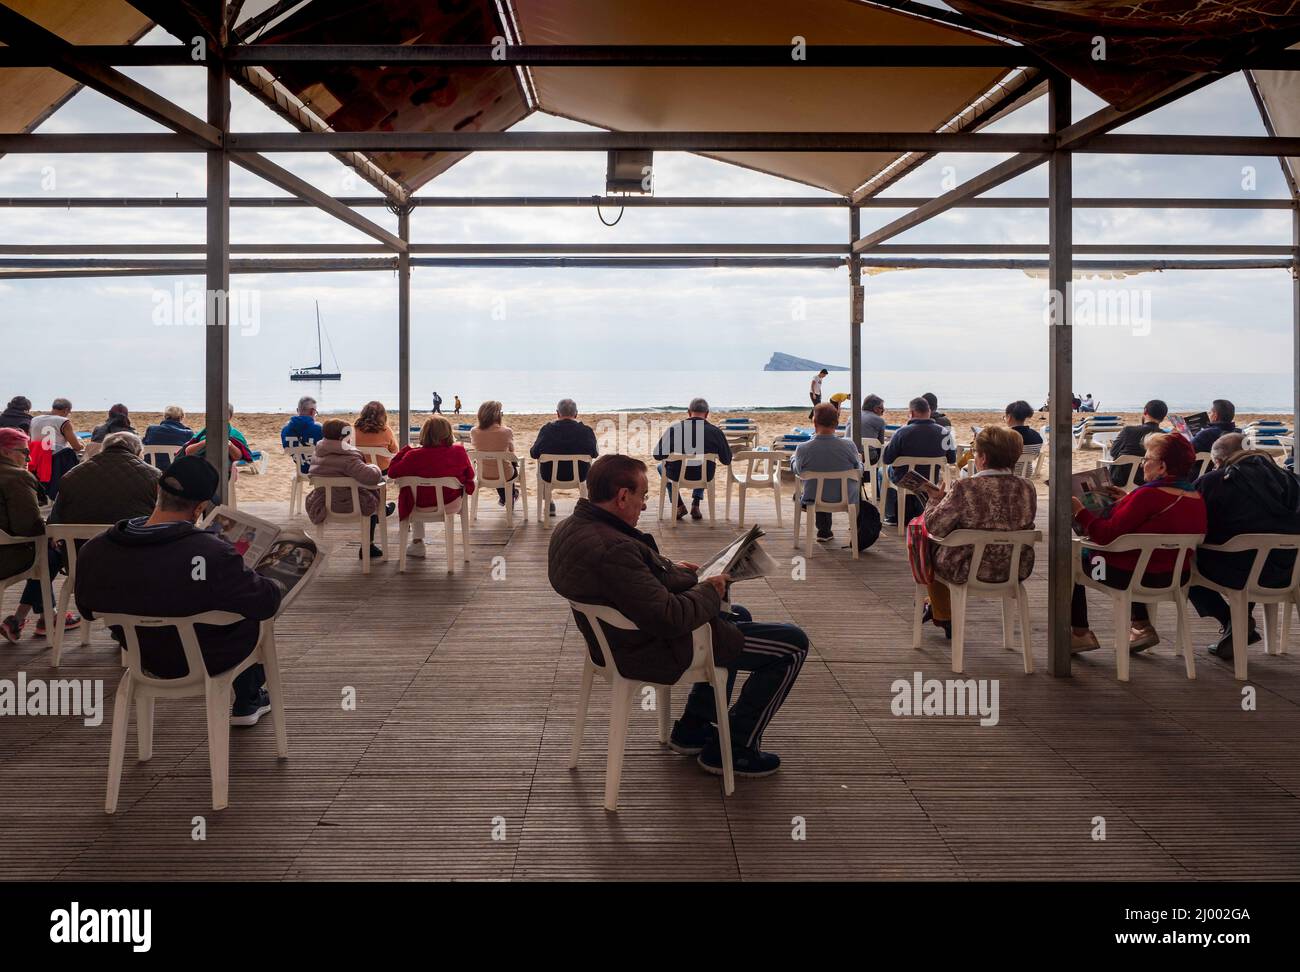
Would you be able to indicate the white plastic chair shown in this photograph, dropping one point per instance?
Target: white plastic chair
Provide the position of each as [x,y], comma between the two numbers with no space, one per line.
[38,571]
[1011,592]
[141,688]
[1029,461]
[374,453]
[873,471]
[69,533]
[299,455]
[502,462]
[850,488]
[441,512]
[1129,467]
[672,489]
[938,467]
[753,469]
[623,690]
[546,490]
[90,448]
[353,516]
[1261,545]
[1204,463]
[1145,544]
[153,453]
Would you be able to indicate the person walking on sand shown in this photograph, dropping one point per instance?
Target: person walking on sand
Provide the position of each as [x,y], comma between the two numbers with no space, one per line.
[457,406]
[437,403]
[815,390]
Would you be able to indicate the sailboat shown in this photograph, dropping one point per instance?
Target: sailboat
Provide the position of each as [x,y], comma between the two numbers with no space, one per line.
[315,372]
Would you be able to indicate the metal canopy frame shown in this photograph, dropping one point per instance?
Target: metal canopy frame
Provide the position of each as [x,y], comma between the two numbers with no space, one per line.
[30,45]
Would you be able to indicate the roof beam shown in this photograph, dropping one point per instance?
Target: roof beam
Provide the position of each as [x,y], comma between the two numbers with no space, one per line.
[641,55]
[603,141]
[1002,172]
[286,180]
[1096,124]
[19,32]
[634,202]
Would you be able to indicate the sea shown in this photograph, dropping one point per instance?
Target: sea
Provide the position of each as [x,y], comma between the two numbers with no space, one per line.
[647,390]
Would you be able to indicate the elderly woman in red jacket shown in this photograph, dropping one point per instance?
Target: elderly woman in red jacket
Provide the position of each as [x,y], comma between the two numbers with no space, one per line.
[1166,502]
[437,456]
[995,498]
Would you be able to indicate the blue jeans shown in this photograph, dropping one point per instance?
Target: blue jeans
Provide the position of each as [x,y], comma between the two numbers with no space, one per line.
[773,655]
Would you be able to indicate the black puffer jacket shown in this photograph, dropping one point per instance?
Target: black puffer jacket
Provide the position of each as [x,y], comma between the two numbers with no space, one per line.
[1248,495]
[596,558]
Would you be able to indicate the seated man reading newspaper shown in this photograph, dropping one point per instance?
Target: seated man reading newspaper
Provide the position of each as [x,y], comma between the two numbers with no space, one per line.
[598,556]
[163,565]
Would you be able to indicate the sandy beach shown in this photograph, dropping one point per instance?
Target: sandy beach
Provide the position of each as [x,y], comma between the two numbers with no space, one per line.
[632,432]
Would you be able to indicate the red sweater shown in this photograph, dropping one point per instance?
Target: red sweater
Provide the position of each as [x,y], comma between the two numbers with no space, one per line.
[1148,509]
[431,462]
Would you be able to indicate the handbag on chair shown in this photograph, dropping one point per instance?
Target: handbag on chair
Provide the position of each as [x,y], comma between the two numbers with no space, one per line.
[918,551]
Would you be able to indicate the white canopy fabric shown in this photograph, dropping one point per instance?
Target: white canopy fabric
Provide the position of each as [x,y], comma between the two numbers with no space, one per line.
[1280,92]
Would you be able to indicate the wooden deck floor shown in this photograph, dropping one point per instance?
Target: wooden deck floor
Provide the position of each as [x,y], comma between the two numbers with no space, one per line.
[466,688]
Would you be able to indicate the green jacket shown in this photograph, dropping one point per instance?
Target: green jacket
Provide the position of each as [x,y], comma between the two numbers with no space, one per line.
[20,516]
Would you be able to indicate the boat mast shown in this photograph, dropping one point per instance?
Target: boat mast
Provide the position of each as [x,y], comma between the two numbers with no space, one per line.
[320,354]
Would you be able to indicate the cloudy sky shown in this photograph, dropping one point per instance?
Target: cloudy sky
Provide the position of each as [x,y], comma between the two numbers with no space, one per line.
[986,321]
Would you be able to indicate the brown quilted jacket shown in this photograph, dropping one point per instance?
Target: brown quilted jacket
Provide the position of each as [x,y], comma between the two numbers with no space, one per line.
[596,558]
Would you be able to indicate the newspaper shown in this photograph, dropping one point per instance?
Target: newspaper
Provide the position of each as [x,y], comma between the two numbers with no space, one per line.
[742,559]
[250,537]
[1088,487]
[288,557]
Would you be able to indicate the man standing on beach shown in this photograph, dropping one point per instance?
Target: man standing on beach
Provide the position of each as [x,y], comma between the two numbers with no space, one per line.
[437,403]
[815,391]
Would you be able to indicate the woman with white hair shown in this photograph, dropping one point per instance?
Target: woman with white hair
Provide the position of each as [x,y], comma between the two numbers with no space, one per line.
[171,431]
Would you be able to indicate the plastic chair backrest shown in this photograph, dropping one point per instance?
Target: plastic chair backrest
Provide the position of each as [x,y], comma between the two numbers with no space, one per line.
[130,625]
[1027,464]
[1146,544]
[373,453]
[152,453]
[331,483]
[850,480]
[598,614]
[570,463]
[985,540]
[689,462]
[936,465]
[1262,544]
[302,455]
[758,467]
[499,461]
[439,508]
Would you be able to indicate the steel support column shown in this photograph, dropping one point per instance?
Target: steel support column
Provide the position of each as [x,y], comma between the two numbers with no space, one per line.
[1060,576]
[404,327]
[857,312]
[217,282]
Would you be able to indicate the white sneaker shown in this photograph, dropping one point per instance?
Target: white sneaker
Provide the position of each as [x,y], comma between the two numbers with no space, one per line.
[415,549]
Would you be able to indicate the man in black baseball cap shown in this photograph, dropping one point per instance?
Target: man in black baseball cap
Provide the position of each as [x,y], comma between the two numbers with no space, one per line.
[162,565]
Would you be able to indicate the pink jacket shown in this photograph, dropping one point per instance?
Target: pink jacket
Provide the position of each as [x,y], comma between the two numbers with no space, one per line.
[334,458]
